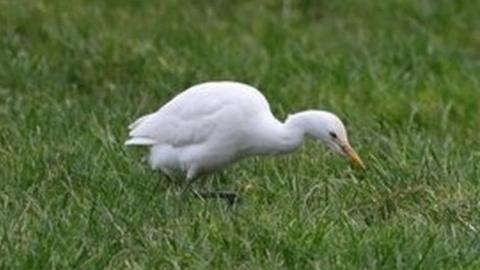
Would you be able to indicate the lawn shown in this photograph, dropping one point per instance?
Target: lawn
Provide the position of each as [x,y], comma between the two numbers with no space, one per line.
[403,74]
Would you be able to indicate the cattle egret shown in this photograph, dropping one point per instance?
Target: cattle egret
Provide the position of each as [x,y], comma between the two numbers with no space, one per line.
[214,124]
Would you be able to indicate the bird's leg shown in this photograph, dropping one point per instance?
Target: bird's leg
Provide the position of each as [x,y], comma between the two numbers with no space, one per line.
[187,186]
[230,197]
[204,193]
[169,175]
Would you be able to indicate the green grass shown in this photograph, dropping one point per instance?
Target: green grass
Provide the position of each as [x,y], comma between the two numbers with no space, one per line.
[404,74]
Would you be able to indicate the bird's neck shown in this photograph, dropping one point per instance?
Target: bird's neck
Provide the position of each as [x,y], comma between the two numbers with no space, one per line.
[294,129]
[280,138]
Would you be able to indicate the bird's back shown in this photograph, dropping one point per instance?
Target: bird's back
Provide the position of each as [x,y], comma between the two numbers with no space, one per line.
[206,121]
[208,97]
[192,110]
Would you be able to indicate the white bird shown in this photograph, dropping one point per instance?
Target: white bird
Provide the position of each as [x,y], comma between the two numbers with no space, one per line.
[214,124]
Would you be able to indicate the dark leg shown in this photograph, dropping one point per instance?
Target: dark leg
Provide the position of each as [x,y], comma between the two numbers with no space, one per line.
[230,197]
[187,187]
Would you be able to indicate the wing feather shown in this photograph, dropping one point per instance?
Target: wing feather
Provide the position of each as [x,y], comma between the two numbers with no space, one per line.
[177,124]
[138,121]
[196,114]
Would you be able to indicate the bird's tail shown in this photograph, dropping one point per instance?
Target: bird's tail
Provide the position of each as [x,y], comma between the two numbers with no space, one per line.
[140,141]
[135,139]
[137,122]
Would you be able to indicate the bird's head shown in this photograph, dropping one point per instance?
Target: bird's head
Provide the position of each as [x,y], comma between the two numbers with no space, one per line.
[329,129]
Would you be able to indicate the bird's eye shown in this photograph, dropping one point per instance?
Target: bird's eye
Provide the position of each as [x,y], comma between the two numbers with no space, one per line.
[333,134]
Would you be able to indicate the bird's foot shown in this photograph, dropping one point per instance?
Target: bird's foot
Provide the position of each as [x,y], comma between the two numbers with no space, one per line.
[230,197]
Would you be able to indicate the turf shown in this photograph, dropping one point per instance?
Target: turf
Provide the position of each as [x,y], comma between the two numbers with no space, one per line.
[404,74]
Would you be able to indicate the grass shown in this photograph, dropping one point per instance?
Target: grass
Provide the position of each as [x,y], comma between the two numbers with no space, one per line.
[404,75]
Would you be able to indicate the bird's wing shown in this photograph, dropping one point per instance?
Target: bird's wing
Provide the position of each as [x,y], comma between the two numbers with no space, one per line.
[137,122]
[178,123]
[197,113]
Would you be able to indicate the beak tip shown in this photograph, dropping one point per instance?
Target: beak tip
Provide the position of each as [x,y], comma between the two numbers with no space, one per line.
[353,156]
[359,164]
[357,161]
[362,166]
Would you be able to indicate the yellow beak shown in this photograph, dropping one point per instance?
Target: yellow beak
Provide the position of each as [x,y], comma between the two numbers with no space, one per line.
[353,156]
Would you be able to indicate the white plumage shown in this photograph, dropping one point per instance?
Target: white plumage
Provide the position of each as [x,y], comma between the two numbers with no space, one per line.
[214,124]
